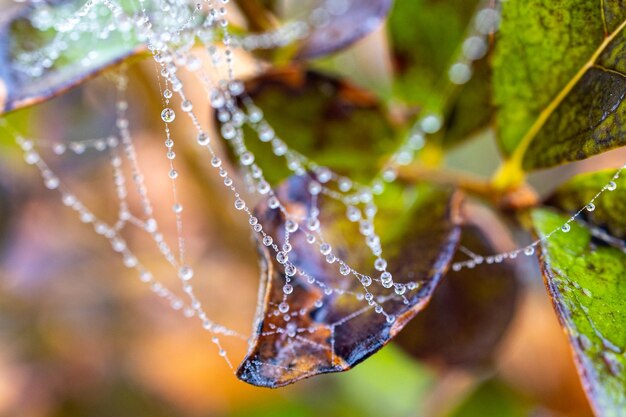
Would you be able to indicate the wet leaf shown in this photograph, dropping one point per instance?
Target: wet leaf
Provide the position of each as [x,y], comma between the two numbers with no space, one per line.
[23,82]
[608,211]
[470,109]
[330,328]
[470,312]
[425,37]
[343,26]
[585,276]
[559,80]
[334,123]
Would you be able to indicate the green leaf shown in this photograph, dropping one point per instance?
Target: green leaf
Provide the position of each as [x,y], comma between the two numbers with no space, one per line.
[559,80]
[585,278]
[609,209]
[85,55]
[470,109]
[470,312]
[332,122]
[425,39]
[333,331]
[425,36]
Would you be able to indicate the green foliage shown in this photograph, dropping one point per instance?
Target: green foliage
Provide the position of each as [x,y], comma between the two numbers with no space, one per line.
[608,212]
[559,80]
[585,277]
[425,36]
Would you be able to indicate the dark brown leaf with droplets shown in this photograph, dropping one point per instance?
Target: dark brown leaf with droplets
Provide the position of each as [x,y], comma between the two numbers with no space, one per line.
[342,27]
[333,122]
[328,328]
[472,308]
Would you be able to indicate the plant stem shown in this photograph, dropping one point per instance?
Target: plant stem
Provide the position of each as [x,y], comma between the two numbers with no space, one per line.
[516,198]
[257,16]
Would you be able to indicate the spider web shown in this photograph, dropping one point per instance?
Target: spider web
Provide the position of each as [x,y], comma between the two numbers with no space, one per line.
[170,30]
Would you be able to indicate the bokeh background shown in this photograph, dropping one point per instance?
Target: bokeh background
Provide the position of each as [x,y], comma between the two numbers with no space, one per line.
[80,335]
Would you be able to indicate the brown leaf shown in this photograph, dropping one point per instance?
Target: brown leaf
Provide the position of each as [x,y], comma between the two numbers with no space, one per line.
[472,308]
[329,327]
[343,29]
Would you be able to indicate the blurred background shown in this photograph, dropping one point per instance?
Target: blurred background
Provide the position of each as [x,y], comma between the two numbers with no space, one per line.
[80,335]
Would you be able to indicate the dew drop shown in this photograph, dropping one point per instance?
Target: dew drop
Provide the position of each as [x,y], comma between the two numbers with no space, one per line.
[203,139]
[168,115]
[273,202]
[185,273]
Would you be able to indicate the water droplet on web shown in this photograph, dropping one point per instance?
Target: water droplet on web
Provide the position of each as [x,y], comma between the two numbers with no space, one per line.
[185,273]
[611,186]
[281,257]
[290,270]
[380,264]
[591,207]
[315,188]
[273,203]
[460,73]
[228,131]
[247,158]
[399,289]
[291,226]
[431,123]
[565,228]
[474,47]
[168,115]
